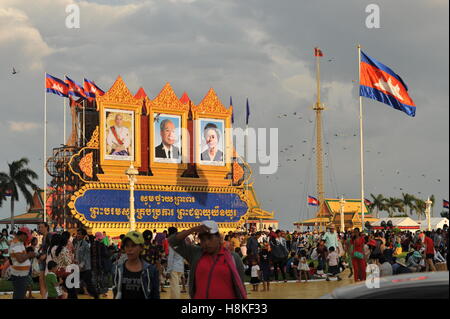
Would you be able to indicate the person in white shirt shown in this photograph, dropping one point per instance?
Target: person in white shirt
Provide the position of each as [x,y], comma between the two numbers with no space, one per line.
[333,264]
[21,263]
[255,275]
[118,139]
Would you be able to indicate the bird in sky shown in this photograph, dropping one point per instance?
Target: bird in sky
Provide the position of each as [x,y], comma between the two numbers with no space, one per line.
[14,71]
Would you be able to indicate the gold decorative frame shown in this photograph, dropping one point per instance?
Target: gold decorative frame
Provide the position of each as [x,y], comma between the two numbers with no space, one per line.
[168,103]
[212,108]
[93,144]
[124,226]
[119,98]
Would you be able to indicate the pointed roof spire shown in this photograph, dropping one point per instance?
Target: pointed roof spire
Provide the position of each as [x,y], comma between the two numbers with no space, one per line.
[140,94]
[185,99]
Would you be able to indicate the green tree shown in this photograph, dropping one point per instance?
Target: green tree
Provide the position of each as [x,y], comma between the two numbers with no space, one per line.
[378,203]
[2,191]
[18,180]
[409,201]
[393,204]
[433,201]
[420,206]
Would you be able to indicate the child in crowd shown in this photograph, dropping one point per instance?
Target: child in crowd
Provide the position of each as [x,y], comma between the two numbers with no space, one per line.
[303,268]
[333,264]
[51,281]
[255,275]
[265,260]
[163,275]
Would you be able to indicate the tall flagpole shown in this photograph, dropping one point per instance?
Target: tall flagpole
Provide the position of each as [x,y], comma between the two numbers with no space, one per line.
[361,140]
[45,149]
[319,160]
[84,123]
[246,143]
[64,183]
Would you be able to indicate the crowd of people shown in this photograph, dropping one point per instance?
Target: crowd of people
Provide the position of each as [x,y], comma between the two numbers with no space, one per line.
[211,265]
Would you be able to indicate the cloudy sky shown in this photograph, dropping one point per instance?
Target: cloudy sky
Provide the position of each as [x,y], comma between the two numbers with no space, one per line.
[260,49]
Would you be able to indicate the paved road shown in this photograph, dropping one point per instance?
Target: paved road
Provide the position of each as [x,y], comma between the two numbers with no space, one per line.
[290,290]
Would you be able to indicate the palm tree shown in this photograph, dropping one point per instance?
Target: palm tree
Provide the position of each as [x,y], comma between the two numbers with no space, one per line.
[433,201]
[378,203]
[420,206]
[408,201]
[3,191]
[19,178]
[393,204]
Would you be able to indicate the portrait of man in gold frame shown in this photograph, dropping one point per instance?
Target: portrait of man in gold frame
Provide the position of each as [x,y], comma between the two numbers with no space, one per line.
[119,134]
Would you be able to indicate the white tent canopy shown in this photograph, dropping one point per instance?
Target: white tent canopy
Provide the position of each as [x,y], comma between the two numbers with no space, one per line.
[436,223]
[403,223]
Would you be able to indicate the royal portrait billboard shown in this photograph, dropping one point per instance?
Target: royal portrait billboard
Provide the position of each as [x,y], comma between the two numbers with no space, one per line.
[119,134]
[211,142]
[167,138]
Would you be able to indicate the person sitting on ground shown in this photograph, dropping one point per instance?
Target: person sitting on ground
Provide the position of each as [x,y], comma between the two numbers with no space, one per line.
[215,272]
[289,265]
[413,262]
[385,267]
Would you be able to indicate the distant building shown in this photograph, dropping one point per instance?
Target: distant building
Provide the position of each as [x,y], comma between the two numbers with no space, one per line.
[331,214]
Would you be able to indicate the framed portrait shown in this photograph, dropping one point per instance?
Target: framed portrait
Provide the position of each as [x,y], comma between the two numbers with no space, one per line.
[211,142]
[119,134]
[167,139]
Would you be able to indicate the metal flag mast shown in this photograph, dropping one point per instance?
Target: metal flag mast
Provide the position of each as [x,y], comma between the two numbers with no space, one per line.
[64,169]
[319,160]
[361,141]
[45,148]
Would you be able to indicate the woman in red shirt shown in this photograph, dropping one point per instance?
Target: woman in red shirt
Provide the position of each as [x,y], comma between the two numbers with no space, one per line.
[358,261]
[215,272]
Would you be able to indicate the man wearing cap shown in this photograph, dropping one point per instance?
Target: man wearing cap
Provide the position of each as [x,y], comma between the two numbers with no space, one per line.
[215,273]
[134,278]
[21,263]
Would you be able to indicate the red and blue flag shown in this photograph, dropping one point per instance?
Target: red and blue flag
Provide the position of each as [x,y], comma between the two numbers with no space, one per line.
[446,204]
[379,82]
[75,89]
[312,201]
[92,90]
[56,86]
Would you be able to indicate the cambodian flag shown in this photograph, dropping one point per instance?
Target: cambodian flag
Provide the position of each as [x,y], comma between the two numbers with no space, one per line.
[75,89]
[312,201]
[367,202]
[318,52]
[446,204]
[56,86]
[92,90]
[379,82]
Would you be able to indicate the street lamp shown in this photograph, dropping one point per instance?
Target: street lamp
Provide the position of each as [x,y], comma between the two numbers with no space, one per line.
[342,202]
[428,202]
[131,172]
